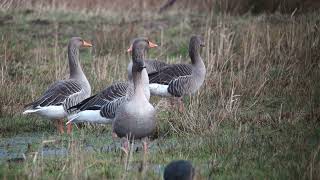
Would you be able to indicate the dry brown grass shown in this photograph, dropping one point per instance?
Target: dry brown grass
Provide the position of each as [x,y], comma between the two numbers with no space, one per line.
[256,74]
[225,6]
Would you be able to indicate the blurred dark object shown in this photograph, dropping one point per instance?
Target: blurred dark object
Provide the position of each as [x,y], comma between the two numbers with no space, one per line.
[167,5]
[179,170]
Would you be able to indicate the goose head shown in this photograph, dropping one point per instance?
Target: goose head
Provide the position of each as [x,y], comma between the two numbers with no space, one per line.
[138,48]
[196,41]
[141,44]
[78,42]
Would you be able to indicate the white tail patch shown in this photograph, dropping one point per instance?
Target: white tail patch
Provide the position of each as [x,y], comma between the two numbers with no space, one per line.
[29,111]
[90,116]
[159,90]
[50,112]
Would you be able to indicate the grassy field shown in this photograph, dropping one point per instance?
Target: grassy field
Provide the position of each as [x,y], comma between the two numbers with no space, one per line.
[256,117]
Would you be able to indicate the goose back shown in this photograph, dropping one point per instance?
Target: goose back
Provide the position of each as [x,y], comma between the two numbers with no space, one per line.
[110,93]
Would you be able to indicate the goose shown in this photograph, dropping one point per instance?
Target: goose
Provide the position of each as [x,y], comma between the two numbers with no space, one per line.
[100,108]
[135,117]
[177,80]
[61,95]
[89,110]
[179,170]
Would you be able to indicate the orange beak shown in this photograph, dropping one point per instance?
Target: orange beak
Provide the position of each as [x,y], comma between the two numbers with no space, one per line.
[86,44]
[130,48]
[152,45]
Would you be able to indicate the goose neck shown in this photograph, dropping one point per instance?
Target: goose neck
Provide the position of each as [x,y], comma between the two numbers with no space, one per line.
[194,53]
[138,84]
[74,64]
[137,54]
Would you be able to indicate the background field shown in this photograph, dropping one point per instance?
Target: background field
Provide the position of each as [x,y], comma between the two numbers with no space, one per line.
[256,117]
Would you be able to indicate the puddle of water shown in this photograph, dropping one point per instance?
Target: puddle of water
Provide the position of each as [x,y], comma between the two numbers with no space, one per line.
[15,148]
[3,153]
[46,152]
[19,146]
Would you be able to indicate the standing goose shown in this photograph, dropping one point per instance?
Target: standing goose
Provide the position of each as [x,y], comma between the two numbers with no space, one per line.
[61,95]
[135,117]
[101,108]
[177,80]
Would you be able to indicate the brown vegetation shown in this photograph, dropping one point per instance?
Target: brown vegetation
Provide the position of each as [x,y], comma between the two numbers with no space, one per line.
[225,6]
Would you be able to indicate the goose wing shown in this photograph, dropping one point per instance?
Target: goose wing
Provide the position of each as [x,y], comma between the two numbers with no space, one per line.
[154,65]
[64,92]
[168,73]
[109,109]
[180,86]
[96,101]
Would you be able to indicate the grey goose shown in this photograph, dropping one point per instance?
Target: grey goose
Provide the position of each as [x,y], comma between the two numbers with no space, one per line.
[61,95]
[100,108]
[135,117]
[178,80]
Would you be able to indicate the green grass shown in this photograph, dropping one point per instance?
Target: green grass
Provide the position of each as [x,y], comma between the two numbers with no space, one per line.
[256,116]
[248,151]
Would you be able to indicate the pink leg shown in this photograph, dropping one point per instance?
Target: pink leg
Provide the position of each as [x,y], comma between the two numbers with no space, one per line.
[56,124]
[125,146]
[172,102]
[60,126]
[145,155]
[145,145]
[69,128]
[114,135]
[181,105]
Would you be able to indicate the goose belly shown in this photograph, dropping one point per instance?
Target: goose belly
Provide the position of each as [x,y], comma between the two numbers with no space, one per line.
[134,120]
[52,112]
